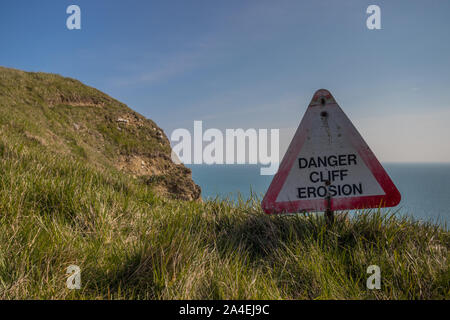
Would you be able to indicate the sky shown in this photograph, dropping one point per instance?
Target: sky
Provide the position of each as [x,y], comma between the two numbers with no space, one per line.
[253,63]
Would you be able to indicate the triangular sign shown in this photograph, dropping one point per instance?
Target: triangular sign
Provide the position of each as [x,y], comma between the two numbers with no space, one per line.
[328,165]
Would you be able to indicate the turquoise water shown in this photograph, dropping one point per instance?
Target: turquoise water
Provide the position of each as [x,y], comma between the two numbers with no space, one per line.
[425,188]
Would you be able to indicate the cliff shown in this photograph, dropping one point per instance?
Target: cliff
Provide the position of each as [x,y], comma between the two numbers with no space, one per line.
[67,117]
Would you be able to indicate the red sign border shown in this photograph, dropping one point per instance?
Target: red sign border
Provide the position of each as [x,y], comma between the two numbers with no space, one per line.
[390,199]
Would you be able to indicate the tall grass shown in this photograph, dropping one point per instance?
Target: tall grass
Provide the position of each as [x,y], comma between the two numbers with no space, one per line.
[56,211]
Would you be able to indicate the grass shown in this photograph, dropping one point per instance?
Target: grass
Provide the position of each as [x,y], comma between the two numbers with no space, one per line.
[62,203]
[67,117]
[131,244]
[50,107]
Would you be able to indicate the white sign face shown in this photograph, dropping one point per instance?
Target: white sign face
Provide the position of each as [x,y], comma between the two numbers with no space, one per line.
[328,162]
[328,165]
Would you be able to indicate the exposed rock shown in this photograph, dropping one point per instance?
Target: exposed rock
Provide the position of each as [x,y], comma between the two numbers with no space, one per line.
[121,120]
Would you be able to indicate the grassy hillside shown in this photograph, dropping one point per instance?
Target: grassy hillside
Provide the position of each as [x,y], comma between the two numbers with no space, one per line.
[70,118]
[73,207]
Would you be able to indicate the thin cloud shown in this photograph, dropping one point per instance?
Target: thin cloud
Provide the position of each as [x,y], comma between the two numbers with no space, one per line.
[164,71]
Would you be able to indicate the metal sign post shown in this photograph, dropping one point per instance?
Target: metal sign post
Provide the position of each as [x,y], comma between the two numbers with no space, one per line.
[329,214]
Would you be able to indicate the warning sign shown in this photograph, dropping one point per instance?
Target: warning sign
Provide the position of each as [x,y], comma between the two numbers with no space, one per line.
[328,166]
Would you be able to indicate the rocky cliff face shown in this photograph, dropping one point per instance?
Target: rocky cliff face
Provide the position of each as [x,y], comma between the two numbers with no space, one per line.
[69,117]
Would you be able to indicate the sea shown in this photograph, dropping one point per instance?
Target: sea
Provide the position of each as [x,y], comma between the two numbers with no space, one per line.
[425,188]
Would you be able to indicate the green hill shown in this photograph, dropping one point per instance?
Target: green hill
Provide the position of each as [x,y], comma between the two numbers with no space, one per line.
[87,181]
[64,116]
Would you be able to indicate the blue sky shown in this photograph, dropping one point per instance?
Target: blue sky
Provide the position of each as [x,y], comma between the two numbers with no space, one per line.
[253,64]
